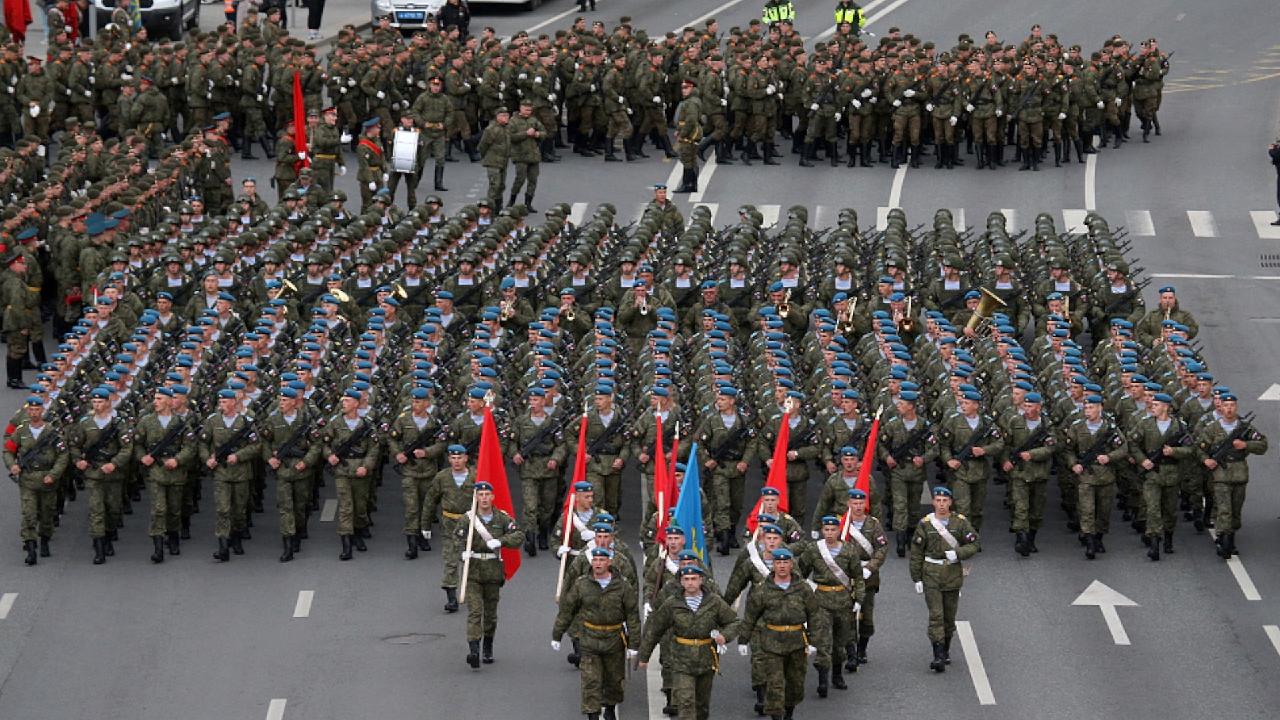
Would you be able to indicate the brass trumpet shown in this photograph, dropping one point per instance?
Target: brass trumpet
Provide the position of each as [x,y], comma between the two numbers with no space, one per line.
[507,310]
[784,307]
[845,323]
[908,320]
[986,306]
[568,314]
[398,290]
[643,304]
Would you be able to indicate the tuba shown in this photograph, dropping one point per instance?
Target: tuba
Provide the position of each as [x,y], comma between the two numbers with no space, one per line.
[986,306]
[845,322]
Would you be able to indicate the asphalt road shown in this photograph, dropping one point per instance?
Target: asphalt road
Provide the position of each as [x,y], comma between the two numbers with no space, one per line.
[197,640]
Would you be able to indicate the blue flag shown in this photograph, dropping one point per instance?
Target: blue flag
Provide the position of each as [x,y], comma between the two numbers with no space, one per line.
[689,507]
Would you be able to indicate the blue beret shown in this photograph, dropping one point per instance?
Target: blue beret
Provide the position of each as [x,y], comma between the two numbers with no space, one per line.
[971,395]
[601,552]
[770,528]
[856,494]
[582,486]
[226,394]
[942,491]
[1093,399]
[783,554]
[1033,397]
[457,449]
[909,395]
[483,485]
[830,520]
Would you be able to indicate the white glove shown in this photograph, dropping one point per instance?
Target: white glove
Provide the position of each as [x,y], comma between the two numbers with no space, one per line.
[953,120]
[522,76]
[919,588]
[743,650]
[838,116]
[968,107]
[466,85]
[866,573]
[127,77]
[342,90]
[724,103]
[346,137]
[40,151]
[35,110]
[779,96]
[537,80]
[866,92]
[259,97]
[342,170]
[814,107]
[373,186]
[592,87]
[502,85]
[897,103]
[555,645]
[632,655]
[657,100]
[10,88]
[951,556]
[551,97]
[908,93]
[302,156]
[92,81]
[1101,104]
[381,95]
[769,90]
[587,535]
[999,113]
[1062,116]
[810,650]
[426,534]
[630,111]
[560,551]
[647,609]
[622,100]
[928,107]
[856,103]
[1119,102]
[493,544]
[173,81]
[856,608]
[351,82]
[88,93]
[716,635]
[814,534]
[386,177]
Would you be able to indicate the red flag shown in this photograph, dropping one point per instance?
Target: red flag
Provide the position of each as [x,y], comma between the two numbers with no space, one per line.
[492,469]
[579,474]
[863,482]
[671,469]
[17,16]
[777,472]
[300,125]
[661,482]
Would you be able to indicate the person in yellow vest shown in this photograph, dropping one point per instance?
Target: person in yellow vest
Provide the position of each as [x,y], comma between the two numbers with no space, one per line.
[850,13]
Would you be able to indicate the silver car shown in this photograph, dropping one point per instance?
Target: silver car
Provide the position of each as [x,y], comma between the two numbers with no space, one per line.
[407,16]
[159,17]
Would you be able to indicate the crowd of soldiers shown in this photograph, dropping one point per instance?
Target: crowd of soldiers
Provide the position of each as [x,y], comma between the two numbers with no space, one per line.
[208,340]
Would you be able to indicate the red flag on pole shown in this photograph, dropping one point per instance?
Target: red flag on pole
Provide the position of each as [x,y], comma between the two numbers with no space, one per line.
[661,482]
[671,469]
[579,474]
[777,472]
[492,469]
[17,16]
[300,125]
[868,458]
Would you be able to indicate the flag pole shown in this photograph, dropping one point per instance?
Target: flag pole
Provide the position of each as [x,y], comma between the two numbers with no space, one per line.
[466,556]
[844,526]
[567,526]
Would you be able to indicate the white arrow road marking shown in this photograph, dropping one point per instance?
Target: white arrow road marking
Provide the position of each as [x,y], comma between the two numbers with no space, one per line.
[275,711]
[577,211]
[1107,601]
[1273,634]
[6,604]
[1272,393]
[1262,223]
[977,671]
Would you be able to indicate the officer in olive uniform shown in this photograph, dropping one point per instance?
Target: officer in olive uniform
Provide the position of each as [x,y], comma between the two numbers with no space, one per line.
[326,148]
[1092,445]
[417,445]
[833,566]
[967,440]
[21,314]
[228,445]
[100,444]
[490,529]
[164,446]
[432,111]
[351,448]
[495,151]
[537,448]
[451,491]
[1224,444]
[942,542]
[601,608]
[293,440]
[781,623]
[36,458]
[369,153]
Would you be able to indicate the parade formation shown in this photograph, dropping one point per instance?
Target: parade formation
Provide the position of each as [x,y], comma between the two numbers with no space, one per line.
[216,352]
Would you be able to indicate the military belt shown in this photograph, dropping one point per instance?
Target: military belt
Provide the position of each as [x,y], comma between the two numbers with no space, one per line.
[832,588]
[936,561]
[693,641]
[602,628]
[33,288]
[326,157]
[451,516]
[785,628]
[484,556]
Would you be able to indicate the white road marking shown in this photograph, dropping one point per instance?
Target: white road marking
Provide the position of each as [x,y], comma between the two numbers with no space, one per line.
[1107,600]
[639,214]
[1262,220]
[977,671]
[770,213]
[1011,220]
[704,179]
[6,604]
[698,20]
[577,212]
[882,217]
[1273,634]
[895,193]
[303,607]
[673,180]
[1272,393]
[1202,224]
[653,686]
[1073,221]
[819,217]
[275,711]
[957,219]
[551,19]
[1197,276]
[713,208]
[1090,182]
[1240,574]
[1140,223]
[329,510]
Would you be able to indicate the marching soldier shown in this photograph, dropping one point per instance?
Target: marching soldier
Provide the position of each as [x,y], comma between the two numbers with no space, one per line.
[1224,444]
[163,445]
[495,149]
[432,111]
[1159,448]
[451,491]
[834,568]
[872,547]
[372,174]
[1028,457]
[492,529]
[942,542]
[100,445]
[293,440]
[967,439]
[729,442]
[1093,444]
[417,445]
[781,614]
[36,458]
[606,449]
[351,449]
[228,446]
[906,446]
[538,449]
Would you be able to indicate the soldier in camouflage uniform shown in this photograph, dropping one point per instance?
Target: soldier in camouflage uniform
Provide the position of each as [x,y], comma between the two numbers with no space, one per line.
[942,541]
[966,441]
[730,444]
[834,567]
[1224,444]
[1030,444]
[1092,445]
[537,448]
[99,446]
[417,445]
[164,445]
[351,448]
[36,458]
[452,490]
[228,445]
[491,530]
[781,622]
[293,443]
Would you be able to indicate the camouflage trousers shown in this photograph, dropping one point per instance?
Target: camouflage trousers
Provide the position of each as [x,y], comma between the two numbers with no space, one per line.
[526,176]
[39,508]
[353,502]
[1095,507]
[1228,499]
[166,507]
[1028,499]
[539,498]
[230,503]
[322,171]
[293,495]
[691,694]
[497,185]
[414,491]
[106,499]
[942,606]
[783,675]
[835,628]
[906,485]
[1161,501]
[726,496]
[451,550]
[619,125]
[482,607]
[865,624]
[969,499]
[603,676]
[17,342]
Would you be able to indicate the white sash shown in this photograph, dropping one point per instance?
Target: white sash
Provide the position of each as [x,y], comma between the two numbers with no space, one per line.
[949,539]
[753,551]
[856,535]
[831,563]
[480,528]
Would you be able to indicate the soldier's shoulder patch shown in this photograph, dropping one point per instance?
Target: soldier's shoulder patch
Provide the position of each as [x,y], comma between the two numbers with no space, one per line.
[970,537]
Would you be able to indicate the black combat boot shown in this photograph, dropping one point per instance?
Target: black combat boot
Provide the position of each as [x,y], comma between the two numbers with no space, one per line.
[770,153]
[268,146]
[610,713]
[637,145]
[1153,547]
[44,544]
[1146,131]
[893,157]
[547,150]
[1031,541]
[108,543]
[100,551]
[157,554]
[724,153]
[472,148]
[865,160]
[438,177]
[1035,161]
[1026,160]
[30,547]
[998,154]
[185,531]
[1090,547]
[982,156]
[629,150]
[346,548]
[223,553]
[1097,543]
[246,150]
[833,153]
[411,552]
[806,152]
[946,649]
[1057,154]
[703,145]
[286,544]
[663,143]
[854,149]
[172,544]
[473,654]
[759,707]
[237,546]
[530,546]
[1118,137]
[1020,544]
[543,544]
[357,540]
[939,663]
[902,543]
[823,675]
[13,367]
[862,649]
[747,152]
[296,542]
[611,150]
[1066,150]
[487,657]
[1168,542]
[1155,123]
[937,150]
[574,655]
[837,678]
[668,709]
[451,600]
